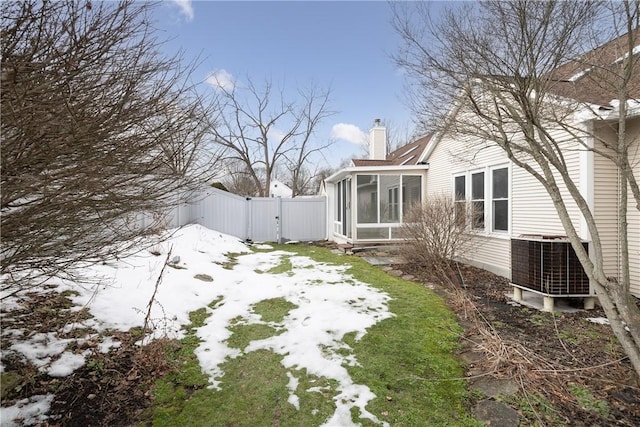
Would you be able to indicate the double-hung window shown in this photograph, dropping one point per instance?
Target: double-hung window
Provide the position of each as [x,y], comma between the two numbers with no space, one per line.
[460,200]
[500,199]
[477,200]
[482,196]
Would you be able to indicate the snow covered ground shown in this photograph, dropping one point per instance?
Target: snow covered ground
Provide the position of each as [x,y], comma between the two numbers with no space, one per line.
[329,304]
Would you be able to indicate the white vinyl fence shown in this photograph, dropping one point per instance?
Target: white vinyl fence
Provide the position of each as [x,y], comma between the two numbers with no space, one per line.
[258,219]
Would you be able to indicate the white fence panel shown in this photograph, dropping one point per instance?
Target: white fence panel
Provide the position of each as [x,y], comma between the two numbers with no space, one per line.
[221,211]
[304,219]
[256,218]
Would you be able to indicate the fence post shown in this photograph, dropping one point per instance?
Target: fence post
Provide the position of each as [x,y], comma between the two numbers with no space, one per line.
[249,219]
[279,220]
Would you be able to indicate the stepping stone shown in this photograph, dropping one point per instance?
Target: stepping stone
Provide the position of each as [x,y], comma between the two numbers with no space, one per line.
[203,277]
[492,387]
[377,260]
[496,414]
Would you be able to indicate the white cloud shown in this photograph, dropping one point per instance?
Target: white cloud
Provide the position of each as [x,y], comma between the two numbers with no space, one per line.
[186,8]
[221,79]
[348,132]
[275,134]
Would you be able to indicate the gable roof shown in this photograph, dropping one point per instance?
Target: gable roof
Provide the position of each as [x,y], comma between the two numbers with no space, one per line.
[589,77]
[578,79]
[407,155]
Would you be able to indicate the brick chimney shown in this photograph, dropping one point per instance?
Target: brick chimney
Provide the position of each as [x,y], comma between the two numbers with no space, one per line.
[378,141]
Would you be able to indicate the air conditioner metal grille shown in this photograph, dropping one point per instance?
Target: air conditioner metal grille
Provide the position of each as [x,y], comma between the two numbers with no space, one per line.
[548,266]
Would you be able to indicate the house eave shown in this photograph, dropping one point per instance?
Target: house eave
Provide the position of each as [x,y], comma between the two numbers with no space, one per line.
[341,174]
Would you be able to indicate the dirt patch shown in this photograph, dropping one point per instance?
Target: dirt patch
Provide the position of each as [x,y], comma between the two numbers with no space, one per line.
[110,389]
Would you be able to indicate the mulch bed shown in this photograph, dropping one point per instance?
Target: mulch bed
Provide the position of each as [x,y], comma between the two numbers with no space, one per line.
[555,358]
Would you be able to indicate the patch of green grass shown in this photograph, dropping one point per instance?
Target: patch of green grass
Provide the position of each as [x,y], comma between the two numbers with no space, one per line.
[9,382]
[274,309]
[69,293]
[215,303]
[96,364]
[538,319]
[173,390]
[285,266]
[232,260]
[588,401]
[407,361]
[568,337]
[254,393]
[243,334]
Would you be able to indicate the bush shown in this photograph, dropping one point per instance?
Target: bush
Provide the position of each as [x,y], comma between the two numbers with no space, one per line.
[433,235]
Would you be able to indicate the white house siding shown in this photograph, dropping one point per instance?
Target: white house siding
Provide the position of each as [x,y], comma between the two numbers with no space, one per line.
[532,209]
[491,253]
[606,203]
[634,213]
[459,155]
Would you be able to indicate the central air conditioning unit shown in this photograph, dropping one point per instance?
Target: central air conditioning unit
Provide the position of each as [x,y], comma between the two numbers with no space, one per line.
[548,265]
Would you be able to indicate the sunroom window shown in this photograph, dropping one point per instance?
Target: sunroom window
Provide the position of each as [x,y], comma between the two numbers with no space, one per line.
[389,198]
[411,192]
[384,200]
[367,199]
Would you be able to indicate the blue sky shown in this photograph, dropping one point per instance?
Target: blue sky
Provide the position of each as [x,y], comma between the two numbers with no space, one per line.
[342,45]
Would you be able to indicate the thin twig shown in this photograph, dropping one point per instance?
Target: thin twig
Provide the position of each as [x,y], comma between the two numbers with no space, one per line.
[155,290]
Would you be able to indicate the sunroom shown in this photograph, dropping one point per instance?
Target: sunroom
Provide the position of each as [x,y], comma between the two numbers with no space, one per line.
[368,204]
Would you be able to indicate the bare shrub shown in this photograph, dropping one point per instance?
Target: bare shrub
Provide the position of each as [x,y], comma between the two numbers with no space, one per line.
[434,235]
[98,129]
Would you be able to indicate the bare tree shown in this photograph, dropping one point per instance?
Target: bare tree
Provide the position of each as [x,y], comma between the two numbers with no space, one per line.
[263,130]
[513,74]
[239,180]
[188,148]
[299,159]
[321,174]
[91,113]
[398,135]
